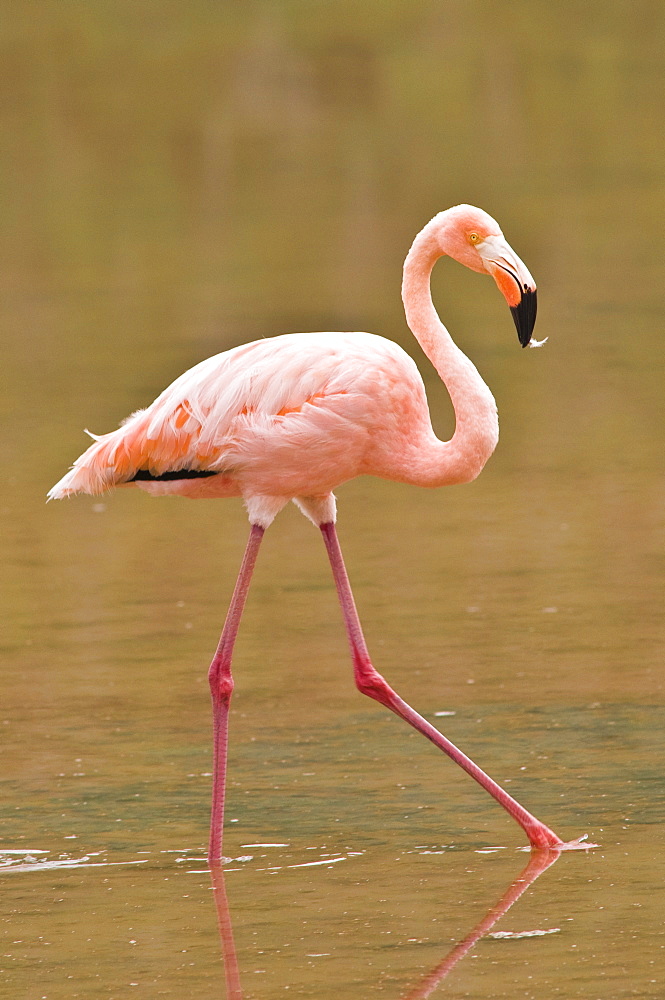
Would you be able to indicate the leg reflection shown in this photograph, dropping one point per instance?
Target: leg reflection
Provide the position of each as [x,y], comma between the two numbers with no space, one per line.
[540,861]
[229,957]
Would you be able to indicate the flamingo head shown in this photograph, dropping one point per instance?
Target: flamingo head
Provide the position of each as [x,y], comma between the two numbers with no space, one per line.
[474,238]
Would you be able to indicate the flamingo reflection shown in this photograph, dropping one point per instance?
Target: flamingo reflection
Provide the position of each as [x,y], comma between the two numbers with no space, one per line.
[229,956]
[539,862]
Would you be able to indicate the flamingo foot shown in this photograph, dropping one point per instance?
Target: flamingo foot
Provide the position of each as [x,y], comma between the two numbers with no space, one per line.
[580,844]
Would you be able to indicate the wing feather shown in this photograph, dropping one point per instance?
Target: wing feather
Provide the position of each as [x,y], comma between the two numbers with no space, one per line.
[207,417]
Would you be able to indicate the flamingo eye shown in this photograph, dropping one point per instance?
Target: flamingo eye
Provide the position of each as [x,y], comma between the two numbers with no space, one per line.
[474,238]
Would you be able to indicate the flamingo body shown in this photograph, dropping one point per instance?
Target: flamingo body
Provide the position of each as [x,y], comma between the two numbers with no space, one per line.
[294,415]
[290,418]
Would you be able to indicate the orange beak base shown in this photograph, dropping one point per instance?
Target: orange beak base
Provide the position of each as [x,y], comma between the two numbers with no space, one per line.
[514,281]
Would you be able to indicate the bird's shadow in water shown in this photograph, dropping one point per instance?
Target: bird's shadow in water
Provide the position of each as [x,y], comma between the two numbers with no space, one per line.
[539,862]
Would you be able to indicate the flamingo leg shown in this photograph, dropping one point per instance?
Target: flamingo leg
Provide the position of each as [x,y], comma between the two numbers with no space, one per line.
[371,683]
[221,688]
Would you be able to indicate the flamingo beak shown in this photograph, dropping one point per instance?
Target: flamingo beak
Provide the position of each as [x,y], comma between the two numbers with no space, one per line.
[515,283]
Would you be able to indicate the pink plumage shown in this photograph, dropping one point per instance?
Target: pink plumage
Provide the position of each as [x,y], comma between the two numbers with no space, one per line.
[290,418]
[293,416]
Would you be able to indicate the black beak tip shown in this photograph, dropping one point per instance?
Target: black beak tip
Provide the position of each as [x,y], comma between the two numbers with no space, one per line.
[524,315]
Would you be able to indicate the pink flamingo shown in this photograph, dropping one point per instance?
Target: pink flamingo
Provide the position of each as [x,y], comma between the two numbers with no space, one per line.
[290,418]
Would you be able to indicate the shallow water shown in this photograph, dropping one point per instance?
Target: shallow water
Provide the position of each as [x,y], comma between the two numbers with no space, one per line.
[175,184]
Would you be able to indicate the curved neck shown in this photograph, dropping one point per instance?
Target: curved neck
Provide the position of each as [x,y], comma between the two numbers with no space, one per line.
[476,422]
